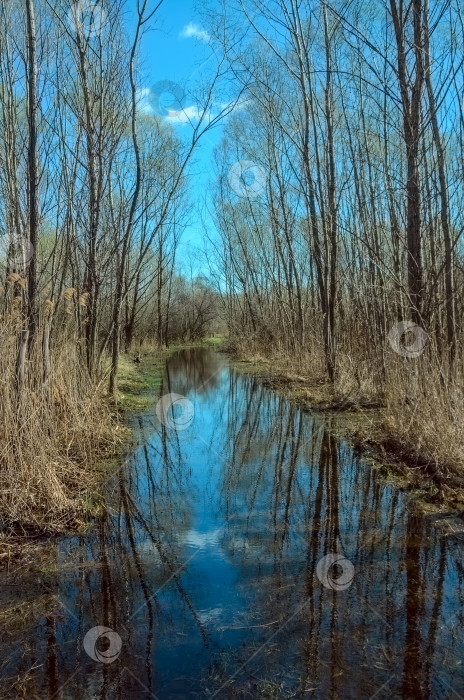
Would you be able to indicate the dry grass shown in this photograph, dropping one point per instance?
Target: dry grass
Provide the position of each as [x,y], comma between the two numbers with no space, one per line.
[421,416]
[424,416]
[309,364]
[356,384]
[52,437]
[354,387]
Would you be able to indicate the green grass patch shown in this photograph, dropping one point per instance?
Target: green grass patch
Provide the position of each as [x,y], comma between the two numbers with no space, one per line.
[214,342]
[138,384]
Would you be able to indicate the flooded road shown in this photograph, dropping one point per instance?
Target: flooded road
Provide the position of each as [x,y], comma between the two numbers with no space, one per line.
[211,569]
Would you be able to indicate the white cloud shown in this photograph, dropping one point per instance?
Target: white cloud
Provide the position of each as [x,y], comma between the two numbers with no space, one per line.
[238,106]
[185,116]
[243,103]
[143,101]
[193,30]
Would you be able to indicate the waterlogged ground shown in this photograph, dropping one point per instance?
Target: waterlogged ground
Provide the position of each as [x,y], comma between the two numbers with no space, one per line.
[204,571]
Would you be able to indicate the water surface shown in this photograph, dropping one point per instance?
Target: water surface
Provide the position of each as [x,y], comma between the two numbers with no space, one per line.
[204,565]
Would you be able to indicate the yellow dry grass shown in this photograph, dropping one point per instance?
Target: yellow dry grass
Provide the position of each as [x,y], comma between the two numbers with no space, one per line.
[421,416]
[51,437]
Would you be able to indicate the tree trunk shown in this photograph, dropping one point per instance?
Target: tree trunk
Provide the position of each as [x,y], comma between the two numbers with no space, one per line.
[411,103]
[118,299]
[444,201]
[32,172]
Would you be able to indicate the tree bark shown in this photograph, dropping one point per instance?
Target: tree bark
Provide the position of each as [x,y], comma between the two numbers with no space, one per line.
[32,173]
[119,294]
[444,201]
[411,95]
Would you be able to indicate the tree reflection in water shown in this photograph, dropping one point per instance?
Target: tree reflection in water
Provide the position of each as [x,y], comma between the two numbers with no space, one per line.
[204,562]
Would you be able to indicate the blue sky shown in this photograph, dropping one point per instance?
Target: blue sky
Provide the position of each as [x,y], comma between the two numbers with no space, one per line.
[174,50]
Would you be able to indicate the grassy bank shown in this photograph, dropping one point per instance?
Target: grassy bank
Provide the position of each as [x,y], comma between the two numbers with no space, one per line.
[53,474]
[413,429]
[57,487]
[138,382]
[54,435]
